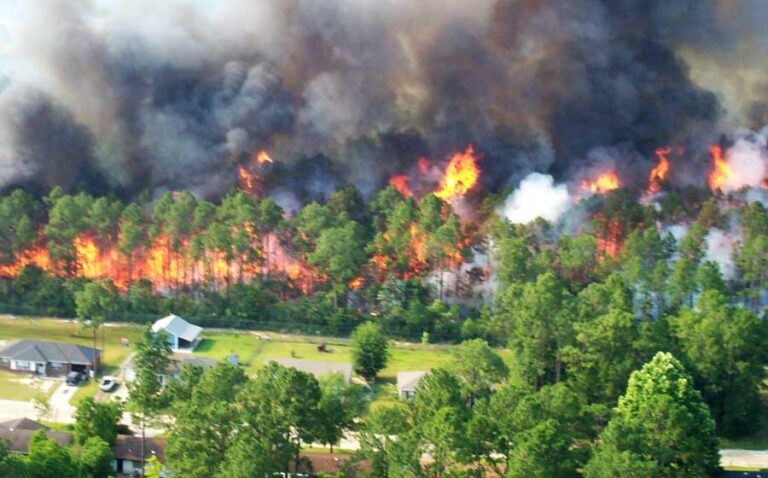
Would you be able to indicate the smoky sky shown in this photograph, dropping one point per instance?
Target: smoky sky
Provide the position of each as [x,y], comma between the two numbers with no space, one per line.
[157,96]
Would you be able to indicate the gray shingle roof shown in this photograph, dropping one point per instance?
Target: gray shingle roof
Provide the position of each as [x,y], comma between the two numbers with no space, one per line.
[408,381]
[173,324]
[128,447]
[19,439]
[318,369]
[40,351]
[23,424]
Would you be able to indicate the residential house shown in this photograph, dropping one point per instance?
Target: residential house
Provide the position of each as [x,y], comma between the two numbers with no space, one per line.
[407,383]
[127,452]
[318,369]
[24,424]
[175,364]
[48,358]
[18,433]
[182,335]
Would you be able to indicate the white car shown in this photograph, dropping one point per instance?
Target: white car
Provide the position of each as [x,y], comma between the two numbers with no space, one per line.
[108,383]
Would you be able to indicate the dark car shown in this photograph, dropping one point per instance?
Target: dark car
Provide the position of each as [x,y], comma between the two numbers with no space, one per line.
[74,378]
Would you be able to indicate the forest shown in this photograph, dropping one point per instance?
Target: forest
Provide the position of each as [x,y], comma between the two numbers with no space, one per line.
[622,317]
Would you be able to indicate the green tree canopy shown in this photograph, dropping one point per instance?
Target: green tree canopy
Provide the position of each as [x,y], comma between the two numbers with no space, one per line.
[370,349]
[661,427]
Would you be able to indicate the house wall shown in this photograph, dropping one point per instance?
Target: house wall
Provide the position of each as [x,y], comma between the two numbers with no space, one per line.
[50,369]
[57,369]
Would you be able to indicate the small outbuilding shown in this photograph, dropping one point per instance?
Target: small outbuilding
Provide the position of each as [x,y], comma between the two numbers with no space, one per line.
[182,335]
[407,382]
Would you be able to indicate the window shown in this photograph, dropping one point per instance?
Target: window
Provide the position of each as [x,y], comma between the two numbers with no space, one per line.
[5,361]
[57,366]
[22,365]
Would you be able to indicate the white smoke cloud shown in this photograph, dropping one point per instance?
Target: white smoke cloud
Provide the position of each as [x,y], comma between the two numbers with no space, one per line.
[537,196]
[720,250]
[748,161]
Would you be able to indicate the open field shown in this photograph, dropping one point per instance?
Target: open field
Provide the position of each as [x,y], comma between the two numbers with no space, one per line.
[253,348]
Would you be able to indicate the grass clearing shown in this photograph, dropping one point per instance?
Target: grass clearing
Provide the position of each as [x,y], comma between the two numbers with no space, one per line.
[254,351]
[16,386]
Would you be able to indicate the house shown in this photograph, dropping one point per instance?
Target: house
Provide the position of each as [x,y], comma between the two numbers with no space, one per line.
[182,335]
[407,383]
[49,359]
[127,453]
[23,424]
[18,433]
[176,362]
[318,369]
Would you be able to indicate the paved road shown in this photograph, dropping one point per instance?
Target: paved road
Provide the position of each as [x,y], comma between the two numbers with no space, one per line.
[744,458]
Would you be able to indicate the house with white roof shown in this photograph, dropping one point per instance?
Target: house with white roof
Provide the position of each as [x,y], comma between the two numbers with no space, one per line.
[182,335]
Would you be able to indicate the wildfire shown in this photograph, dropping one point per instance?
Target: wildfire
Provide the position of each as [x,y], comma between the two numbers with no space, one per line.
[721,171]
[400,182]
[356,283]
[263,157]
[460,176]
[607,181]
[162,265]
[250,179]
[609,238]
[659,173]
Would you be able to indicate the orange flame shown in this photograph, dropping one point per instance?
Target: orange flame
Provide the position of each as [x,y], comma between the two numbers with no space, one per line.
[721,171]
[607,181]
[250,179]
[163,266]
[263,157]
[659,173]
[356,283]
[460,176]
[400,182]
[608,244]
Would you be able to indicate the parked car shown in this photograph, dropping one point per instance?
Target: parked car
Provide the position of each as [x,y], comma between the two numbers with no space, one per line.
[74,379]
[108,383]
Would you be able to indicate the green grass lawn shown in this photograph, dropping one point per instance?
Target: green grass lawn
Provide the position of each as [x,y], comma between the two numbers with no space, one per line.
[13,388]
[254,351]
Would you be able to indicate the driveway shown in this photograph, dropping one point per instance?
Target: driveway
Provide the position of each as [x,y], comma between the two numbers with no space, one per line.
[61,410]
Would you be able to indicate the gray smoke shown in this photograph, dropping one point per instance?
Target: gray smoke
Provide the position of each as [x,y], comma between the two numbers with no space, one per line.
[176,94]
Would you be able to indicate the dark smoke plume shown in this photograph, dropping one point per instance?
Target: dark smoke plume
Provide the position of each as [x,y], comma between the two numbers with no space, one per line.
[177,94]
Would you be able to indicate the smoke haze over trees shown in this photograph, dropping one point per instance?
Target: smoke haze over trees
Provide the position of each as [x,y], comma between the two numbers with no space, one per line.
[175,95]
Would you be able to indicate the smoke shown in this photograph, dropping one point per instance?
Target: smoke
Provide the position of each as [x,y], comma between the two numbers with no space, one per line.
[177,94]
[537,196]
[747,160]
[720,249]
